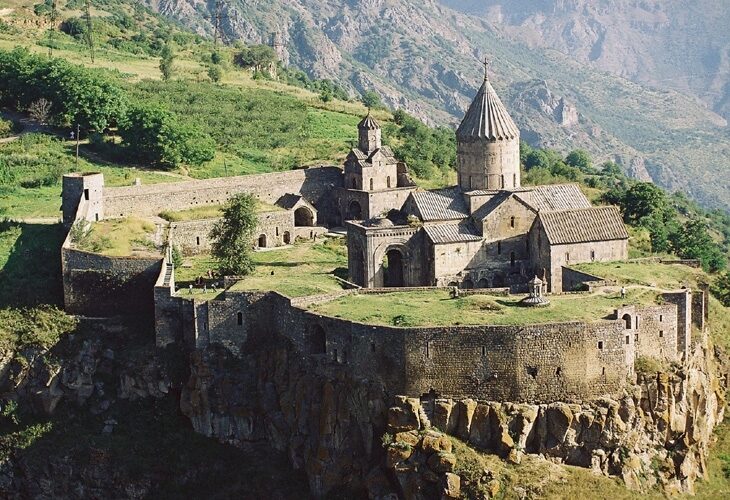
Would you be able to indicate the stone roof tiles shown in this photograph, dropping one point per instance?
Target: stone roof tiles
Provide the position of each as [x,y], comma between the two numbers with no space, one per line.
[440,204]
[288,201]
[583,225]
[487,118]
[368,123]
[553,197]
[451,233]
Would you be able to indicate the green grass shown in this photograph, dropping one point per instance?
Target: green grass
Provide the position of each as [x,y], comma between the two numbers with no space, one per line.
[665,276]
[31,170]
[119,237]
[437,308]
[298,271]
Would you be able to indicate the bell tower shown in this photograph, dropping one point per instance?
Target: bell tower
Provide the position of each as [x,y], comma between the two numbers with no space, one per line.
[369,135]
[488,144]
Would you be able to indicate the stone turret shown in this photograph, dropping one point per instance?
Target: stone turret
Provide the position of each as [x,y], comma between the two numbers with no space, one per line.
[369,135]
[488,144]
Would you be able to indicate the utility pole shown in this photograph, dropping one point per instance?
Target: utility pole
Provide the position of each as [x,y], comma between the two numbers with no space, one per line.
[52,32]
[78,140]
[89,29]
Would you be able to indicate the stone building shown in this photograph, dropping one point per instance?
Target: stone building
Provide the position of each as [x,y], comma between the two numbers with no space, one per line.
[486,232]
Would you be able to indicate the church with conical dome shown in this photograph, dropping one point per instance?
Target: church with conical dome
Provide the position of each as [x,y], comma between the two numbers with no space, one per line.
[488,231]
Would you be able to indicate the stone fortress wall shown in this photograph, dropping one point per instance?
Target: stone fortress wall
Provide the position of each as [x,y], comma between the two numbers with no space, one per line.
[570,361]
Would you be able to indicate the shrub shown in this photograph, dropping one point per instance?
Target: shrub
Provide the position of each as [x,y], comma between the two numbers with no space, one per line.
[6,128]
[648,365]
[232,235]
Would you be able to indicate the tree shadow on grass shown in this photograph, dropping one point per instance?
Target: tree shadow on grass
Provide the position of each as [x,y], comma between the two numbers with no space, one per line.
[31,273]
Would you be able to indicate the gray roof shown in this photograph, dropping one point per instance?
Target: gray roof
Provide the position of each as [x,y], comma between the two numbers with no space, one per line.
[288,201]
[440,204]
[584,225]
[451,233]
[368,123]
[491,205]
[487,118]
[553,197]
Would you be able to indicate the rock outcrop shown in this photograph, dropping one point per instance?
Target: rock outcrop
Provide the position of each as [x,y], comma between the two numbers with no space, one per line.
[656,434]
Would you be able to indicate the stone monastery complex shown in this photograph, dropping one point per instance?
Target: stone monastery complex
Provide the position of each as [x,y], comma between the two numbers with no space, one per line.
[488,234]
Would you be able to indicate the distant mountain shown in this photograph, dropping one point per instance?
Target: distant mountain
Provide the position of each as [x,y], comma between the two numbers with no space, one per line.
[670,44]
[424,56]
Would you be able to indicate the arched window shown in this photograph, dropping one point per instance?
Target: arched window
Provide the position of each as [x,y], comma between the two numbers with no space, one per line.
[387,179]
[262,241]
[627,321]
[512,259]
[499,248]
[514,180]
[593,255]
[512,221]
[240,319]
[371,184]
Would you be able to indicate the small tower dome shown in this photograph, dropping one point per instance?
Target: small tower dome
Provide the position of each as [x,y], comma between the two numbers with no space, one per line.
[488,151]
[369,134]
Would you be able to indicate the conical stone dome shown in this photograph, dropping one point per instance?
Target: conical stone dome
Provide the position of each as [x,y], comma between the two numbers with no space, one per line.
[487,118]
[368,123]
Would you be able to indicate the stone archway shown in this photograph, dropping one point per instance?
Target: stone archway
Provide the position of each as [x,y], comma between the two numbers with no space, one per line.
[499,281]
[354,211]
[287,237]
[483,283]
[303,217]
[467,284]
[393,275]
[262,241]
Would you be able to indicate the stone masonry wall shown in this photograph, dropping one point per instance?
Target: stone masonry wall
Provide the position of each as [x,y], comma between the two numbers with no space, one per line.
[652,329]
[150,200]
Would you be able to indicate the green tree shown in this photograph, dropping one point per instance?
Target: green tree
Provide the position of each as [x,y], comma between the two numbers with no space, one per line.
[611,169]
[167,62]
[581,160]
[215,73]
[154,135]
[371,100]
[721,288]
[693,241]
[232,236]
[258,57]
[644,199]
[325,95]
[537,158]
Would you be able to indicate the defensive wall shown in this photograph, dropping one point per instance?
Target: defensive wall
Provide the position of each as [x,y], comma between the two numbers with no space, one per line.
[570,361]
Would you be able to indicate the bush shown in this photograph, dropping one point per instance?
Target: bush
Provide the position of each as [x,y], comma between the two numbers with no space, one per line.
[232,235]
[6,128]
[648,365]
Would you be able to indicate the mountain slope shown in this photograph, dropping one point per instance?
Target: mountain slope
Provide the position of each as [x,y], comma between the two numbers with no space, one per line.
[668,43]
[424,57]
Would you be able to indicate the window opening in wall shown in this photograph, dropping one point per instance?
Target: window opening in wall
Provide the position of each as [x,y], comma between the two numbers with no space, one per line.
[628,339]
[558,371]
[637,322]
[567,257]
[593,255]
[514,180]
[636,337]
[240,318]
[661,334]
[512,259]
[371,184]
[512,221]
[484,350]
[277,230]
[501,181]
[86,194]
[627,321]
[499,248]
[387,180]
[600,344]
[262,241]
[531,371]
[603,371]
[197,240]
[429,350]
[96,216]
[661,318]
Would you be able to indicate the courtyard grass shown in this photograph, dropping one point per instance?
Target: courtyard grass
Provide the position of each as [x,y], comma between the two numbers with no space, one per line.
[648,273]
[119,237]
[300,270]
[437,308]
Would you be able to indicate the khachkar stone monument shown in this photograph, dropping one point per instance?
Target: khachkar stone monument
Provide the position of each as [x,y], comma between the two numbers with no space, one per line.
[488,144]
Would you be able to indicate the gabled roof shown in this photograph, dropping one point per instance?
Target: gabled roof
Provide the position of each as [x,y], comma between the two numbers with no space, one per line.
[364,158]
[290,201]
[439,204]
[487,118]
[451,233]
[553,197]
[495,202]
[583,225]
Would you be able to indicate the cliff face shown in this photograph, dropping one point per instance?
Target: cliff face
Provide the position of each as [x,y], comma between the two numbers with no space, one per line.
[330,426]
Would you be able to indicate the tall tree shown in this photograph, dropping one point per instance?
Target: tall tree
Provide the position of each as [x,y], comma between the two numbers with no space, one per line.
[167,62]
[232,236]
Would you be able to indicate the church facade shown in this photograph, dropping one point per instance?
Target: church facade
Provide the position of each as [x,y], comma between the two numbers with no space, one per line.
[488,231]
